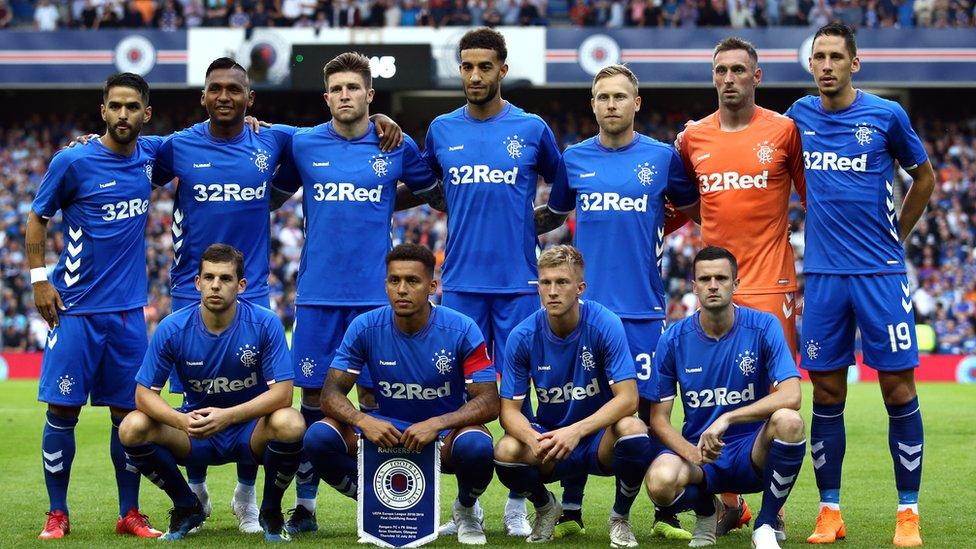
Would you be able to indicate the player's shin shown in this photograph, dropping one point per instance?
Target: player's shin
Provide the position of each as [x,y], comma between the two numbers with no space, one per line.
[631,458]
[307,480]
[126,474]
[57,453]
[524,480]
[473,456]
[828,442]
[905,441]
[783,464]
[159,466]
[280,465]
[330,458]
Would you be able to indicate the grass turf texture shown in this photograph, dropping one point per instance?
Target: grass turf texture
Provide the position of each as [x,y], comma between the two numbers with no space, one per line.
[947,503]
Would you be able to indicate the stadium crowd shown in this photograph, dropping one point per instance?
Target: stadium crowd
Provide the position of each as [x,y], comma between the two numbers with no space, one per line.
[171,15]
[941,252]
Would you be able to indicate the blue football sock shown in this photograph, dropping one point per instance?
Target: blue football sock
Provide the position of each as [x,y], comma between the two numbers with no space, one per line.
[473,456]
[692,497]
[126,474]
[57,453]
[905,441]
[247,474]
[280,465]
[327,451]
[828,442]
[159,466]
[196,474]
[573,488]
[631,458]
[782,467]
[524,481]
[307,480]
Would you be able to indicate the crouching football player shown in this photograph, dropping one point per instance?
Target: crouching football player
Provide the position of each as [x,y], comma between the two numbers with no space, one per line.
[232,359]
[432,378]
[737,436]
[576,355]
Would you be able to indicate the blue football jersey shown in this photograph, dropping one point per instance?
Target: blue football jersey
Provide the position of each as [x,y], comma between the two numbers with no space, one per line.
[619,195]
[572,375]
[218,370]
[420,376]
[852,219]
[349,190]
[104,201]
[223,196]
[490,170]
[717,376]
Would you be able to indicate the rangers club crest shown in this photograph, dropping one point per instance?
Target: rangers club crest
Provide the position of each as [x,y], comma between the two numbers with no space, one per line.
[65,383]
[513,146]
[645,173]
[380,165]
[747,362]
[261,159]
[399,484]
[248,355]
[149,170]
[863,134]
[586,359]
[764,152]
[443,361]
[813,349]
[307,366]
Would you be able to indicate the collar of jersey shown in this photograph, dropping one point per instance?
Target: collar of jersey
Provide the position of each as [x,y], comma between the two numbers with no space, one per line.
[501,114]
[206,331]
[858,94]
[419,333]
[333,133]
[101,147]
[604,148]
[573,336]
[701,331]
[210,137]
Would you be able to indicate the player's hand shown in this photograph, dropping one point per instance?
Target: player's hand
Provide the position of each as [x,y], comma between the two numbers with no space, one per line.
[710,443]
[380,432]
[681,135]
[419,435]
[207,422]
[694,456]
[83,139]
[390,134]
[48,302]
[558,444]
[256,124]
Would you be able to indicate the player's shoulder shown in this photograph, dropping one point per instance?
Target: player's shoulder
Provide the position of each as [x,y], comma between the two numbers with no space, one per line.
[528,327]
[69,155]
[448,117]
[680,329]
[647,142]
[754,319]
[373,319]
[408,142]
[256,314]
[769,116]
[595,313]
[525,119]
[701,126]
[887,107]
[804,106]
[177,322]
[587,145]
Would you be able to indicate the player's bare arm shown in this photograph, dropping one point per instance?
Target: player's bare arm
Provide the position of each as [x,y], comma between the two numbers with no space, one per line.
[693,211]
[481,407]
[517,426]
[917,197]
[152,404]
[279,197]
[547,220]
[209,421]
[558,444]
[663,430]
[784,395]
[406,199]
[336,405]
[46,298]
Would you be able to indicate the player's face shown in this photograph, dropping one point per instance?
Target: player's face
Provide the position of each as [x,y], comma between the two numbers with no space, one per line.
[614,102]
[348,97]
[560,288]
[832,65]
[481,74]
[226,96]
[408,286]
[124,114]
[218,285]
[735,77]
[714,284]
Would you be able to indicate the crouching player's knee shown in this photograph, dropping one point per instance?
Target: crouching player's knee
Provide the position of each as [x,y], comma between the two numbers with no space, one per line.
[287,425]
[136,429]
[787,425]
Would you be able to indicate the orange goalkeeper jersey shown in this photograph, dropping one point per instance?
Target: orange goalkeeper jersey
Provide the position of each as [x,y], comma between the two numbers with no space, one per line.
[744,178]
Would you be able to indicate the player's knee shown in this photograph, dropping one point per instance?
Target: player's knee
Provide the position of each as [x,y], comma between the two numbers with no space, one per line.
[629,426]
[472,447]
[787,425]
[508,449]
[287,425]
[135,429]
[67,412]
[662,482]
[829,388]
[322,438]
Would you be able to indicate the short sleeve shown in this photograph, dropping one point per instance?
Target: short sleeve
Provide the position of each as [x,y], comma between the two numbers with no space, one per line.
[478,367]
[680,191]
[276,358]
[549,156]
[618,361]
[515,372]
[430,153]
[903,143]
[794,162]
[562,198]
[158,362]
[56,187]
[779,361]
[416,172]
[664,380]
[352,353]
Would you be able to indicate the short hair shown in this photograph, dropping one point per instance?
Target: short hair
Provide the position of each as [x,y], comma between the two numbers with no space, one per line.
[349,62]
[412,252]
[711,253]
[484,38]
[225,63]
[614,70]
[127,80]
[564,254]
[839,29]
[223,253]
[735,43]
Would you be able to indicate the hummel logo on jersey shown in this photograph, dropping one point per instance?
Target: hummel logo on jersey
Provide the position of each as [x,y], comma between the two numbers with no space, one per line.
[816,160]
[588,174]
[106,185]
[387,363]
[697,370]
[413,391]
[321,164]
[605,202]
[544,368]
[703,157]
[204,165]
[566,393]
[719,396]
[481,173]
[343,192]
[809,132]
[194,363]
[456,148]
[222,384]
[228,192]
[716,182]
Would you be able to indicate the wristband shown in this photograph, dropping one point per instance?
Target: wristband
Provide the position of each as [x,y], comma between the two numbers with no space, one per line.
[38,274]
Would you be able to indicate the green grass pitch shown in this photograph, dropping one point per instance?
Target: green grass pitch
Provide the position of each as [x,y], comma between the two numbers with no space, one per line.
[948,499]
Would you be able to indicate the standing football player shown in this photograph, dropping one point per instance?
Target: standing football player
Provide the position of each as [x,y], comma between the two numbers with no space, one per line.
[232,358]
[738,435]
[855,271]
[489,155]
[574,354]
[433,380]
[93,305]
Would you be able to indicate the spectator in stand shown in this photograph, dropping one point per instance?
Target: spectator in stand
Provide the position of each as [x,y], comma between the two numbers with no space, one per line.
[239,19]
[391,17]
[529,15]
[409,13]
[492,17]
[6,15]
[216,13]
[713,13]
[458,15]
[579,14]
[46,16]
[820,14]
